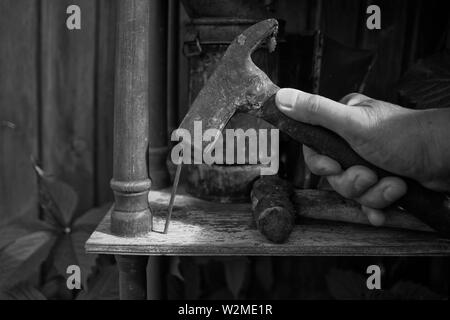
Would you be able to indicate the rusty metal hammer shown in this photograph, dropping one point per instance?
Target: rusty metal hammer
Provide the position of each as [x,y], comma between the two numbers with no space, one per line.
[238,85]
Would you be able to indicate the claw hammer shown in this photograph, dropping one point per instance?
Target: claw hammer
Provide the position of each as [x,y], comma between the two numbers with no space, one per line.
[238,85]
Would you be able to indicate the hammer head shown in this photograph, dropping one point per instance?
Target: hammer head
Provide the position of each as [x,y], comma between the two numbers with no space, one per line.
[237,84]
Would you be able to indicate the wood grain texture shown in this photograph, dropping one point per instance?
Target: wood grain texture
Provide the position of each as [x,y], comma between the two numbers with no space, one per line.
[131,181]
[68,82]
[328,205]
[204,228]
[106,47]
[19,107]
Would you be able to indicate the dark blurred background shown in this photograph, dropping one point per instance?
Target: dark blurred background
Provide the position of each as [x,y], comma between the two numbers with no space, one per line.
[57,98]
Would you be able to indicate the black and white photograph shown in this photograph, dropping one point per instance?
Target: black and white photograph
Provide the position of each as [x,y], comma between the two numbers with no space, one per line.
[219,157]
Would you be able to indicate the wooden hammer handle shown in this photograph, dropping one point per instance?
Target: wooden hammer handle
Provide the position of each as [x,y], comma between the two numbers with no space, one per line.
[273,211]
[432,208]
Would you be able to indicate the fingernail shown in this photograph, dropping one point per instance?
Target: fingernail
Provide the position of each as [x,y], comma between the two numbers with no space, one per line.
[285,99]
[392,194]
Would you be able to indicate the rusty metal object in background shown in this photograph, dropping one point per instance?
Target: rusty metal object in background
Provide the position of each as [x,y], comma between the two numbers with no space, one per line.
[130,183]
[238,85]
[205,43]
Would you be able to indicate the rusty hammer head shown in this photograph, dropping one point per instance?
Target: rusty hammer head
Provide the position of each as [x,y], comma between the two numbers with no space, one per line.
[236,84]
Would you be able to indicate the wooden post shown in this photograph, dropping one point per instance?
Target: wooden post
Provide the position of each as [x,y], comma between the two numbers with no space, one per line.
[132,277]
[131,183]
[158,94]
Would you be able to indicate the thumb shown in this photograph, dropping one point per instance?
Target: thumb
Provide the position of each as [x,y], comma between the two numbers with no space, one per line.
[318,110]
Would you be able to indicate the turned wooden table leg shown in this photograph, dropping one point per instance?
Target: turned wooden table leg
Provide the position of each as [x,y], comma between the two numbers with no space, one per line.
[131,216]
[132,277]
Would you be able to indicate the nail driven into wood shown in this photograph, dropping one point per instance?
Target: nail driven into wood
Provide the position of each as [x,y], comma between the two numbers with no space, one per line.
[173,194]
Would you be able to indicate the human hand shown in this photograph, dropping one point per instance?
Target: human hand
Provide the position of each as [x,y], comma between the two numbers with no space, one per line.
[409,143]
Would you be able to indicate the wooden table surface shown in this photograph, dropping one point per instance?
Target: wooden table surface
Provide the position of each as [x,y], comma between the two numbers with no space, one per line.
[201,228]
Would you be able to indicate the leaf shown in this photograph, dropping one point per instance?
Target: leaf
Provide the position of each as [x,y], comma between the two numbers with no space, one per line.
[235,271]
[22,258]
[105,286]
[92,218]
[22,292]
[53,286]
[58,199]
[18,228]
[64,255]
[427,84]
[85,261]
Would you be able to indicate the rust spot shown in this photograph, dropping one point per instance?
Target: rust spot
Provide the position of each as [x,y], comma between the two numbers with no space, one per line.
[241,39]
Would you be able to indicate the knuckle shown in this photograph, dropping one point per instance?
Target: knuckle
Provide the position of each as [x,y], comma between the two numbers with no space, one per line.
[351,97]
[372,200]
[341,186]
[312,105]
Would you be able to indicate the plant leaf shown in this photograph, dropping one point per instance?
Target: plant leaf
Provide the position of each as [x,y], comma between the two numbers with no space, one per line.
[22,258]
[22,292]
[64,255]
[58,199]
[91,219]
[235,272]
[85,261]
[18,228]
[104,286]
[70,251]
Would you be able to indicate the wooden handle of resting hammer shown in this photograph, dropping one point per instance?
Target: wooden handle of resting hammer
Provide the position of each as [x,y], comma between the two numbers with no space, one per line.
[273,211]
[432,208]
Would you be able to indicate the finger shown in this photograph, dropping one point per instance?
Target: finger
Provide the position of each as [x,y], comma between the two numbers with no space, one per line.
[376,217]
[318,110]
[320,165]
[353,182]
[354,99]
[387,191]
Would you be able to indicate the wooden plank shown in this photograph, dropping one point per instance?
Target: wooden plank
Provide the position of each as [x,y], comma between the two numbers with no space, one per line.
[201,228]
[328,205]
[19,107]
[106,48]
[68,82]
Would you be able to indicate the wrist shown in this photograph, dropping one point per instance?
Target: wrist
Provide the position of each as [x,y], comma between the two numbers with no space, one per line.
[435,124]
